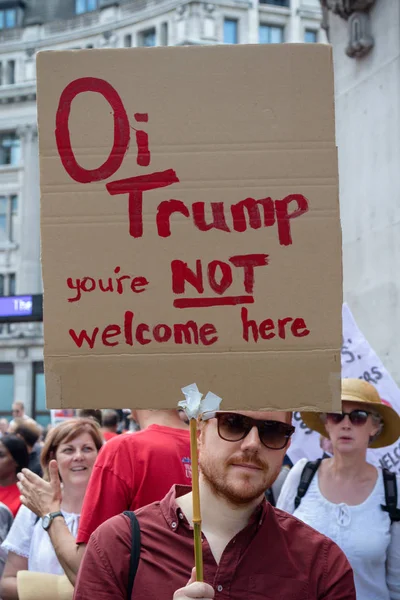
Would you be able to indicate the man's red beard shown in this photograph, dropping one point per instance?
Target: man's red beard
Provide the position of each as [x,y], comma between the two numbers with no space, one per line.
[223,485]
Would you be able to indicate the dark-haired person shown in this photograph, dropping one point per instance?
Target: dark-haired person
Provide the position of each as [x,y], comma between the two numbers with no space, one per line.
[345,497]
[13,457]
[110,424]
[30,432]
[90,413]
[42,536]
[251,550]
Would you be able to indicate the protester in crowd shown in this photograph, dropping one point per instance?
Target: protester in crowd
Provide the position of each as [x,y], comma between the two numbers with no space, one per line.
[30,433]
[110,424]
[90,413]
[13,458]
[134,470]
[250,549]
[42,537]
[345,499]
[3,427]
[18,412]
[6,519]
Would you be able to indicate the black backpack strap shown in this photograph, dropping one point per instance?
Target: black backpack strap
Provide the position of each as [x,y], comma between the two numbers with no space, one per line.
[269,494]
[135,551]
[306,478]
[390,483]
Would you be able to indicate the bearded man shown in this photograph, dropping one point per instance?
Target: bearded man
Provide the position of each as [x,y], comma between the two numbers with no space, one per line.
[251,551]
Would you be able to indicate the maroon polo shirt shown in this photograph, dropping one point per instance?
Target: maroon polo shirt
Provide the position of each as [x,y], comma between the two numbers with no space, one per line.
[274,557]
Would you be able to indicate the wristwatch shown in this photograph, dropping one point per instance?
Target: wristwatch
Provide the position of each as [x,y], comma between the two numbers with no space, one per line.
[48,519]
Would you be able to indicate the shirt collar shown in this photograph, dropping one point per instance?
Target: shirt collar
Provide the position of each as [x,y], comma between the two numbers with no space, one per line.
[173,514]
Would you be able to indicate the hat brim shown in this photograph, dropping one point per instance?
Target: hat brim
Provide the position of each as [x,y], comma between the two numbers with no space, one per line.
[391,420]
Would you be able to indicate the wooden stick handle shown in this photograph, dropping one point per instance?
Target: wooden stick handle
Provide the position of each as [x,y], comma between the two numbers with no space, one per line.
[198,550]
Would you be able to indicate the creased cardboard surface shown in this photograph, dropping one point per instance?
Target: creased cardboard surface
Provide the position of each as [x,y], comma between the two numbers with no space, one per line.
[205,129]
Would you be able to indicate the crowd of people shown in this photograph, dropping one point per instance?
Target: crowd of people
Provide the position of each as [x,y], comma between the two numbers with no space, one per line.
[100,505]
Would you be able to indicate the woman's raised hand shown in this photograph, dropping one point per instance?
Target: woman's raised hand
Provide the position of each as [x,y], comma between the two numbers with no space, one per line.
[40,496]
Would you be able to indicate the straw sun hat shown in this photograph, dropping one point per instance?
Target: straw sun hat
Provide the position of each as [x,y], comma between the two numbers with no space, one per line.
[358,390]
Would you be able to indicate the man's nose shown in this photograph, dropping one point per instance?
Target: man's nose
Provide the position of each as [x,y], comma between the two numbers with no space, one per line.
[252,439]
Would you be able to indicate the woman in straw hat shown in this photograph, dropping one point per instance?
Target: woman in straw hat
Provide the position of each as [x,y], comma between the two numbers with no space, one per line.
[42,536]
[344,500]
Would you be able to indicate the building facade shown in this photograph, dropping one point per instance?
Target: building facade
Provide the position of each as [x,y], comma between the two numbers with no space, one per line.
[365,35]
[28,26]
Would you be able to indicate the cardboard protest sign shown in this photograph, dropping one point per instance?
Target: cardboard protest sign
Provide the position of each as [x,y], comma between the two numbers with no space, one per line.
[190,226]
[358,360]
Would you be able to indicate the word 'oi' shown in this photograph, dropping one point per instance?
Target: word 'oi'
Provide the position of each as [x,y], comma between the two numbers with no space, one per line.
[250,212]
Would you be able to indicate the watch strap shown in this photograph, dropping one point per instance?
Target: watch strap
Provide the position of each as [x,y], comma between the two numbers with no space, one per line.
[50,518]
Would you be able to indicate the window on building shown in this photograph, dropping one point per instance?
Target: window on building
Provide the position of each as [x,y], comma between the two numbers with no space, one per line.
[6,389]
[231,31]
[310,36]
[84,6]
[8,18]
[128,40]
[164,34]
[8,216]
[147,38]
[10,72]
[270,34]
[276,2]
[10,149]
[39,410]
[7,284]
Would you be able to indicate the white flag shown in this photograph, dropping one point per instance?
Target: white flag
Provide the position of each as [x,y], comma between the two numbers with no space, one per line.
[360,361]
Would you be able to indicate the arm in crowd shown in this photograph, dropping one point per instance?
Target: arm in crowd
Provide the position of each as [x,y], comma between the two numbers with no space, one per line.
[8,587]
[43,497]
[393,562]
[17,545]
[68,552]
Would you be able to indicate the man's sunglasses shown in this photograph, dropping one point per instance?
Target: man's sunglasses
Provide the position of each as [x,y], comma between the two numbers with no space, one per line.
[234,427]
[357,417]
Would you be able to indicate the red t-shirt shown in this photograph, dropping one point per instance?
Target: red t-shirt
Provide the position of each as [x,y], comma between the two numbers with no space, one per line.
[9,496]
[275,557]
[109,435]
[133,470]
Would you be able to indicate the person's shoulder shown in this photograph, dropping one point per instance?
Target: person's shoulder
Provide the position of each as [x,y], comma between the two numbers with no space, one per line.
[117,529]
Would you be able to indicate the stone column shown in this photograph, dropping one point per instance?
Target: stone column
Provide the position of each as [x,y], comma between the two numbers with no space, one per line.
[294,33]
[254,21]
[29,272]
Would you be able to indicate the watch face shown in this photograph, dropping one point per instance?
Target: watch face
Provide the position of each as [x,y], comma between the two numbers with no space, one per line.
[46,522]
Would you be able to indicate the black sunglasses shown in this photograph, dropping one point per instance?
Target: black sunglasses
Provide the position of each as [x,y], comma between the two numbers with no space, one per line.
[234,427]
[357,417]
